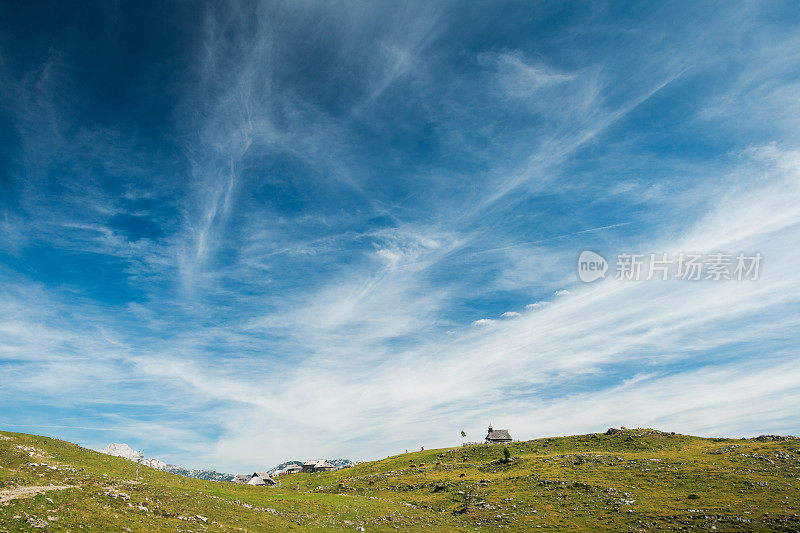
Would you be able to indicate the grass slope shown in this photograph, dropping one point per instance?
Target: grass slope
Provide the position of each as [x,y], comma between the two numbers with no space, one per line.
[636,480]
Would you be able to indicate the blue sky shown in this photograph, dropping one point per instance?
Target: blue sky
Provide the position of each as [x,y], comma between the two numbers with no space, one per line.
[233,234]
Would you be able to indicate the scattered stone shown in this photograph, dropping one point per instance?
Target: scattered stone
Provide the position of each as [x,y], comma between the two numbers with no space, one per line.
[38,523]
[725,449]
[768,438]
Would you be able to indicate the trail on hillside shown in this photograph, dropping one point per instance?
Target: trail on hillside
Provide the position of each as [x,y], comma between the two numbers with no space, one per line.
[26,492]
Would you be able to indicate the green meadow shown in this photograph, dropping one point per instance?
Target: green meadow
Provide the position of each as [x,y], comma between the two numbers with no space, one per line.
[634,480]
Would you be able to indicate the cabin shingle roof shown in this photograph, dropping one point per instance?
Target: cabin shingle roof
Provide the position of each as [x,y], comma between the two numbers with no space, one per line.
[498,434]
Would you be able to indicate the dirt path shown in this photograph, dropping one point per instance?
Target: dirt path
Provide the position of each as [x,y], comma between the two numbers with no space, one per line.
[25,492]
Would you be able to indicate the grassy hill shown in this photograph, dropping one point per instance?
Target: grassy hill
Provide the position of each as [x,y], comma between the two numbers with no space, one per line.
[635,480]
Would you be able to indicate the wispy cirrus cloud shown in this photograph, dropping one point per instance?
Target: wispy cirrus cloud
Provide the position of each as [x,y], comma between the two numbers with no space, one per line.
[303,231]
[519,77]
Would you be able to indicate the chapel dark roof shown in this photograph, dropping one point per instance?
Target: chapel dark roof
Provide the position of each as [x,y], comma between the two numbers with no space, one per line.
[498,434]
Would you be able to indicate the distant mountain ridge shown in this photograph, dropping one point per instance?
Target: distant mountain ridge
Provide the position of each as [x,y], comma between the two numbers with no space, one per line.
[339,463]
[126,452]
[283,465]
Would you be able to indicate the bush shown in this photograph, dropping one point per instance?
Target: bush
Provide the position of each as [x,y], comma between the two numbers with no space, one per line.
[506,453]
[693,496]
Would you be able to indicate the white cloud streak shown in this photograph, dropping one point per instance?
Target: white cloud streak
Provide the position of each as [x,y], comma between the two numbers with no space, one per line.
[367,352]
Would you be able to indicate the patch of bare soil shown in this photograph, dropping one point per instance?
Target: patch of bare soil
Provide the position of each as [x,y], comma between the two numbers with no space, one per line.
[26,492]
